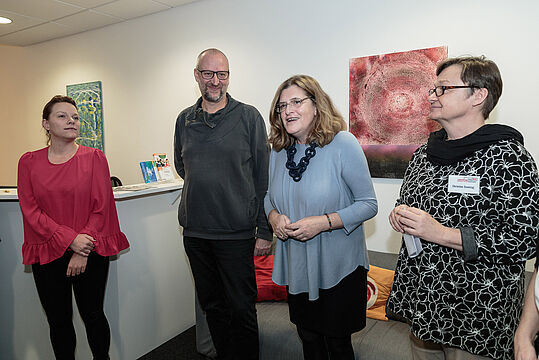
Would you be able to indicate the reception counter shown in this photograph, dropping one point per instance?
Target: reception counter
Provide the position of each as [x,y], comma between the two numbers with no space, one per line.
[150,294]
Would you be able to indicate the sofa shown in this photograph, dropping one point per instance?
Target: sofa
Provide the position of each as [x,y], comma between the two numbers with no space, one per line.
[379,340]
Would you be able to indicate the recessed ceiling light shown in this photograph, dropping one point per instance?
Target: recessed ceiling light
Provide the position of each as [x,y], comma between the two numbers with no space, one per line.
[5,20]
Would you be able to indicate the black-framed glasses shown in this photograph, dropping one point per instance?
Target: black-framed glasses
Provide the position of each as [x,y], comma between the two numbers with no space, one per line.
[440,90]
[294,104]
[208,74]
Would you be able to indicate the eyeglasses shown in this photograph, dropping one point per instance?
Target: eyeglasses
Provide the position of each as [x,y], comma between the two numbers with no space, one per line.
[440,90]
[208,74]
[294,104]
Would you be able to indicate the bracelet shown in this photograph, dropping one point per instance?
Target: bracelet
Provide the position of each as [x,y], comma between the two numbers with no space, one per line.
[329,221]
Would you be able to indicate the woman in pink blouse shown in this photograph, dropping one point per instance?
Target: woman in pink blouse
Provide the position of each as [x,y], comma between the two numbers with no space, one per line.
[70,229]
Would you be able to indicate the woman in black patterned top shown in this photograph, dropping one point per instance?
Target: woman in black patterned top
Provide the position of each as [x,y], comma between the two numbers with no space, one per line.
[471,196]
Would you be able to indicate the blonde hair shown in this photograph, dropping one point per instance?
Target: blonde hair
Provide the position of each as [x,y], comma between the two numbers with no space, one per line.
[327,121]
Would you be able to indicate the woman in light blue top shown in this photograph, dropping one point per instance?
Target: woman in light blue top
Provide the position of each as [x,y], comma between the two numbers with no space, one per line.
[320,193]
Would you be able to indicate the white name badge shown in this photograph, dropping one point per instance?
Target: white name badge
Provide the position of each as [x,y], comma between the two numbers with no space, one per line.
[463,184]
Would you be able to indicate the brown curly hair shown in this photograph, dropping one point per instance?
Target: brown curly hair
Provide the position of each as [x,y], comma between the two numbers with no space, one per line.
[327,122]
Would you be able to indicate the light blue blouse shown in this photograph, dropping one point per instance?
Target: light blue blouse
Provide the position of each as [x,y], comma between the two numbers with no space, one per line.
[336,180]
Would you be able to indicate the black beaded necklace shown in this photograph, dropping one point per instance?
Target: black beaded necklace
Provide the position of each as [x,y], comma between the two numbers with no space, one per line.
[296,171]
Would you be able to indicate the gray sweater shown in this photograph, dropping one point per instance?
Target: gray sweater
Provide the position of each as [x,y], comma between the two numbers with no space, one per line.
[223,159]
[336,180]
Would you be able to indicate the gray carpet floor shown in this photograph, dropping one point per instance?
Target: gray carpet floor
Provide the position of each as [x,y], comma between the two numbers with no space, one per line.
[181,347]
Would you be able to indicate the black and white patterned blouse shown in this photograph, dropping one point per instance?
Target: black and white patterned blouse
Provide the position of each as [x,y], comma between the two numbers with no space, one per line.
[475,304]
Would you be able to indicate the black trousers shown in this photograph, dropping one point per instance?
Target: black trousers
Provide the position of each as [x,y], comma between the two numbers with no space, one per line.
[225,282]
[55,288]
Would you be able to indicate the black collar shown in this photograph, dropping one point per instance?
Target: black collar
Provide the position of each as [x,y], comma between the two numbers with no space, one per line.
[448,152]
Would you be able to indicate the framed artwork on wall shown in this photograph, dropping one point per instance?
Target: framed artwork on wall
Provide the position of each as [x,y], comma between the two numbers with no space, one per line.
[389,106]
[89,99]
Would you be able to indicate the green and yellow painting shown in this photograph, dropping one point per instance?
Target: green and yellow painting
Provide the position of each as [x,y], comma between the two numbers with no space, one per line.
[88,97]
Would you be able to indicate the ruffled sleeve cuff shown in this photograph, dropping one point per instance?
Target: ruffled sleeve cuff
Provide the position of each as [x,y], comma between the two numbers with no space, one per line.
[44,253]
[112,244]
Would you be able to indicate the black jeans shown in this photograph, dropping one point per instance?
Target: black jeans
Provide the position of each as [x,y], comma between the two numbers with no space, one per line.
[225,282]
[55,293]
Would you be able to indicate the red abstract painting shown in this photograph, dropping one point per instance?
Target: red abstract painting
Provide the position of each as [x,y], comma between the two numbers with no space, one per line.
[389,107]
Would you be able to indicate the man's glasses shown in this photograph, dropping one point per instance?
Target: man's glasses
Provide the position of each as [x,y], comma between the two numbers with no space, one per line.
[208,74]
[440,90]
[294,104]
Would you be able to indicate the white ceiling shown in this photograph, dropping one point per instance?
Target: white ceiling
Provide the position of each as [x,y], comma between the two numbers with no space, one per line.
[35,21]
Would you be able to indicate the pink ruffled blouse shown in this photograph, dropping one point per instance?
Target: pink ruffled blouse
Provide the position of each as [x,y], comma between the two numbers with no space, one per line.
[60,201]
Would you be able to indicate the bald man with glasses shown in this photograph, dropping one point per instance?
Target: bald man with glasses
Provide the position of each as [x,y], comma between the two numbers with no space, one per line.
[221,152]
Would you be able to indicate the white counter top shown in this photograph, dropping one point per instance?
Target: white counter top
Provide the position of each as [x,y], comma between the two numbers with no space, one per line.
[8,194]
[151,279]
[120,192]
[130,191]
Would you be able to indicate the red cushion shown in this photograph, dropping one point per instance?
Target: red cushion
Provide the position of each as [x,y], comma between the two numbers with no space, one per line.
[267,289]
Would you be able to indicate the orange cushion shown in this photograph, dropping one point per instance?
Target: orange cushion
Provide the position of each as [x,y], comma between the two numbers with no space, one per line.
[379,282]
[267,289]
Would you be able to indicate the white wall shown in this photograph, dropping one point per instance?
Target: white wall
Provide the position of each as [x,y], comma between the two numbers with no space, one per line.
[146,67]
[14,139]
